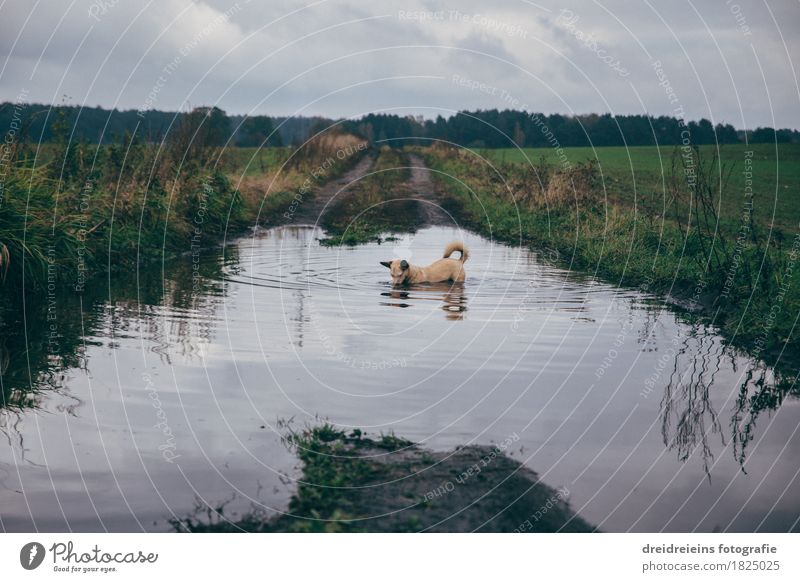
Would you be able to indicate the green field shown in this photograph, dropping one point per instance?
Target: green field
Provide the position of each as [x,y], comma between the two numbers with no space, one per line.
[254,161]
[639,176]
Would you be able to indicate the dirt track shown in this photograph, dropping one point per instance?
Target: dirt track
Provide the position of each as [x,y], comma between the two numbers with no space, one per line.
[314,206]
[419,186]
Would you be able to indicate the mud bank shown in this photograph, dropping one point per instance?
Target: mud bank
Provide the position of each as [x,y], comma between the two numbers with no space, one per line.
[351,483]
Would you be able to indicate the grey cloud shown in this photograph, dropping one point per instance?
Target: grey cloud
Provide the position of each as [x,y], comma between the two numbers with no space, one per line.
[227,65]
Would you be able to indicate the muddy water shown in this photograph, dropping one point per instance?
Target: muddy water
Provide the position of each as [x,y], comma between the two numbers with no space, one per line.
[171,389]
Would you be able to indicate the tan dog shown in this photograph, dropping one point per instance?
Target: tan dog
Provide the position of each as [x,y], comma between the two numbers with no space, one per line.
[445,269]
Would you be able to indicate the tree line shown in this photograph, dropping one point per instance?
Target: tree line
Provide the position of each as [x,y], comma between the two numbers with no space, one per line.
[501,129]
[479,129]
[42,123]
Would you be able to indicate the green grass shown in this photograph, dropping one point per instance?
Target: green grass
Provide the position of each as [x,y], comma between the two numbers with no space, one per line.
[74,210]
[91,209]
[254,161]
[776,177]
[237,161]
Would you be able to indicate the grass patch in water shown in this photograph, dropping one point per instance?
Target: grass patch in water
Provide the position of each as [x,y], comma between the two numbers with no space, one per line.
[353,483]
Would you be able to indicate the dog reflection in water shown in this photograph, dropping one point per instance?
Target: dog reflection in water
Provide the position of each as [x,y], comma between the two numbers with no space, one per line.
[452,296]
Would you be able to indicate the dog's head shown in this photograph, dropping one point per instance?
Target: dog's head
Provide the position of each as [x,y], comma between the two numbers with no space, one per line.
[399,270]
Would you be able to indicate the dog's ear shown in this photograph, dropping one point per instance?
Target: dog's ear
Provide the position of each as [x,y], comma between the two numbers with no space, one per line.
[387,264]
[404,264]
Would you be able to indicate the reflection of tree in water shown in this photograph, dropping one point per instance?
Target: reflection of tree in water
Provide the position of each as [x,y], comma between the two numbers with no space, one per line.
[43,338]
[687,413]
[760,391]
[688,417]
[646,335]
[33,360]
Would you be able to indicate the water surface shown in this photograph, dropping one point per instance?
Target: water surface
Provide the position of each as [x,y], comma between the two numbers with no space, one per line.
[168,387]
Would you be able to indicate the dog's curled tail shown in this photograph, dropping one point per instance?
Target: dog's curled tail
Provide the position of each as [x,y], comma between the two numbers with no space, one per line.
[457,246]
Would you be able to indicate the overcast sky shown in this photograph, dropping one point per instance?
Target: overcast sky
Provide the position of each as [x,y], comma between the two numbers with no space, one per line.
[729,61]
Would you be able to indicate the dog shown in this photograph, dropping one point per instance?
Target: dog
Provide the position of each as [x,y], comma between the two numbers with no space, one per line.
[445,269]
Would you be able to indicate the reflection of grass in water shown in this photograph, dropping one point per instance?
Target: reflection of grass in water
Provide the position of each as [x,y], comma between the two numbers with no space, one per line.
[759,392]
[37,349]
[689,421]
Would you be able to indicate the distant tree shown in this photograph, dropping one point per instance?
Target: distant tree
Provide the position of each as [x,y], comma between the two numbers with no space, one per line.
[763,135]
[366,131]
[210,126]
[197,134]
[255,131]
[784,135]
[706,129]
[607,132]
[519,135]
[726,133]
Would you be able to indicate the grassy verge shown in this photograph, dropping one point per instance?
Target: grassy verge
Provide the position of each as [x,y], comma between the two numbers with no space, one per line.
[640,176]
[287,173]
[741,275]
[352,483]
[71,211]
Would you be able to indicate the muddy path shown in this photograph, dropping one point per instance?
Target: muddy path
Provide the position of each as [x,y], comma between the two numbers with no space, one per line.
[420,187]
[416,202]
[332,193]
[352,483]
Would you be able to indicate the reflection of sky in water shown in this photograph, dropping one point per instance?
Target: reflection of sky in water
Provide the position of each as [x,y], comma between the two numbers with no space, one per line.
[593,379]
